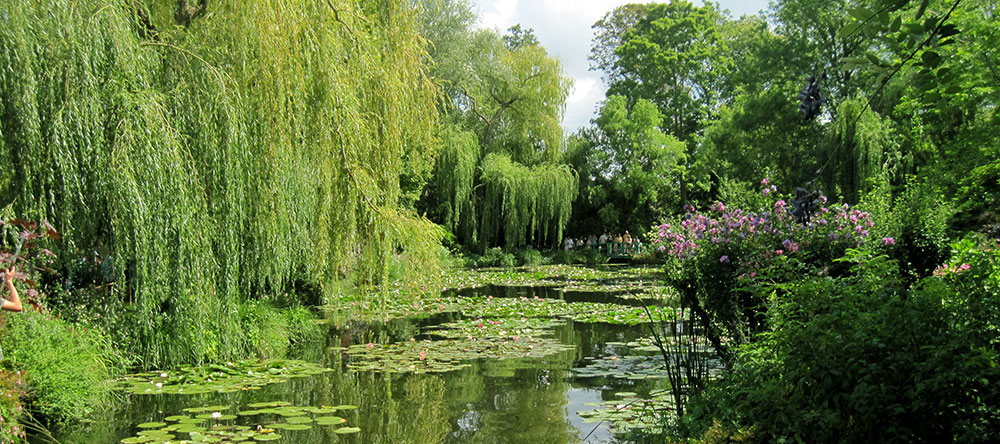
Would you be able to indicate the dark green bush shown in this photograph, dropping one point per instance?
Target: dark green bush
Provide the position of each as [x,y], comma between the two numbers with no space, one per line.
[531,258]
[496,257]
[864,359]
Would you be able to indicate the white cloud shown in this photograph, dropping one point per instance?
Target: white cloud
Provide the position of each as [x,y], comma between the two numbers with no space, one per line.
[581,105]
[495,14]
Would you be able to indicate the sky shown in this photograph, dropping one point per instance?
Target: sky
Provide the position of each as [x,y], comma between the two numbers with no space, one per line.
[563,28]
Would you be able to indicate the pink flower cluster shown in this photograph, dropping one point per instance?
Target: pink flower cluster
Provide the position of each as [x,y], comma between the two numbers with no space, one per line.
[945,269]
[776,233]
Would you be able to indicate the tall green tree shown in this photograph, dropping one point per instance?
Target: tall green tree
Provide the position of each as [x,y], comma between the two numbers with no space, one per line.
[500,181]
[673,56]
[216,155]
[633,169]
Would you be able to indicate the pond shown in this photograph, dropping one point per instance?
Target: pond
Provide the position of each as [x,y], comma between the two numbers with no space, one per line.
[562,360]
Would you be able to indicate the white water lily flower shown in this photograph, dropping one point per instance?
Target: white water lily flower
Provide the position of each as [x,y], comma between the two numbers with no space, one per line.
[216,415]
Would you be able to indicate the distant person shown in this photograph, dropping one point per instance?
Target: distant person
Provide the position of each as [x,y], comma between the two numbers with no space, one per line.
[591,241]
[568,244]
[14,303]
[603,239]
[628,237]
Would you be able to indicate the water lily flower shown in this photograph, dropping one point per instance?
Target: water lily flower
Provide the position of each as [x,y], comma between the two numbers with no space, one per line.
[724,259]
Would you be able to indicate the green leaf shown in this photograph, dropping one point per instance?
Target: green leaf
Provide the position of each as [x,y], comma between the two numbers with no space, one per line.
[849,29]
[861,14]
[874,59]
[948,30]
[930,59]
[345,430]
[921,9]
[930,23]
[896,24]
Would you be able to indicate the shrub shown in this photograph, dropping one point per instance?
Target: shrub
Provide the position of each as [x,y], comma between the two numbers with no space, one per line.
[531,258]
[718,258]
[496,257]
[12,391]
[853,360]
[69,367]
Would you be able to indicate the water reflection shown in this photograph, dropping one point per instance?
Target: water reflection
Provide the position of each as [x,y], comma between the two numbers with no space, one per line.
[490,402]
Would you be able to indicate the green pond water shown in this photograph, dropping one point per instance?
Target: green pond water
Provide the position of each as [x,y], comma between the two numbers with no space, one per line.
[493,364]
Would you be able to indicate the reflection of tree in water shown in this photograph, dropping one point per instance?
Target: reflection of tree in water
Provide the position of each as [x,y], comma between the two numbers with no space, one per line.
[397,409]
[533,413]
[511,403]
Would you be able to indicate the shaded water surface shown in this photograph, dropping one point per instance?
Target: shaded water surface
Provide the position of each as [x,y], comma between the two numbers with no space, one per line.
[492,401]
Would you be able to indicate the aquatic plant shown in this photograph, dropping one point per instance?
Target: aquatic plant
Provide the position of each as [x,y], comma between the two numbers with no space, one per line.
[210,425]
[432,356]
[221,378]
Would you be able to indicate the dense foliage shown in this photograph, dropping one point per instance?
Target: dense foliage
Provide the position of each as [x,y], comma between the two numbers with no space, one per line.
[256,149]
[864,358]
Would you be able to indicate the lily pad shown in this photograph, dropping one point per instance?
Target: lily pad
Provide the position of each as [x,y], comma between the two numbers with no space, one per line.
[330,420]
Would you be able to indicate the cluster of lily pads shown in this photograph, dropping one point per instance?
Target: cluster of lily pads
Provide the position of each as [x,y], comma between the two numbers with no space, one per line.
[632,412]
[623,367]
[497,327]
[569,276]
[210,425]
[435,356]
[220,378]
[385,311]
[578,311]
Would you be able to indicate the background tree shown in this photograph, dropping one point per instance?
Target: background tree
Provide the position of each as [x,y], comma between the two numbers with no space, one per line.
[633,170]
[508,94]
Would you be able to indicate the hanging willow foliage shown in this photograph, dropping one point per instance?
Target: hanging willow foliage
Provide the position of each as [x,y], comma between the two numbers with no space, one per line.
[454,177]
[258,148]
[525,204]
[873,150]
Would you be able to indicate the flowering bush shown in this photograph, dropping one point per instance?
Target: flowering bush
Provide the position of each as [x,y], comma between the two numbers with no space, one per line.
[12,391]
[972,273]
[725,261]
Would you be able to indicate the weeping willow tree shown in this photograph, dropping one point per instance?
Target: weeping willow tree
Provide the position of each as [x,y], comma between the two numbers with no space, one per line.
[504,99]
[216,152]
[454,180]
[867,149]
[525,205]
